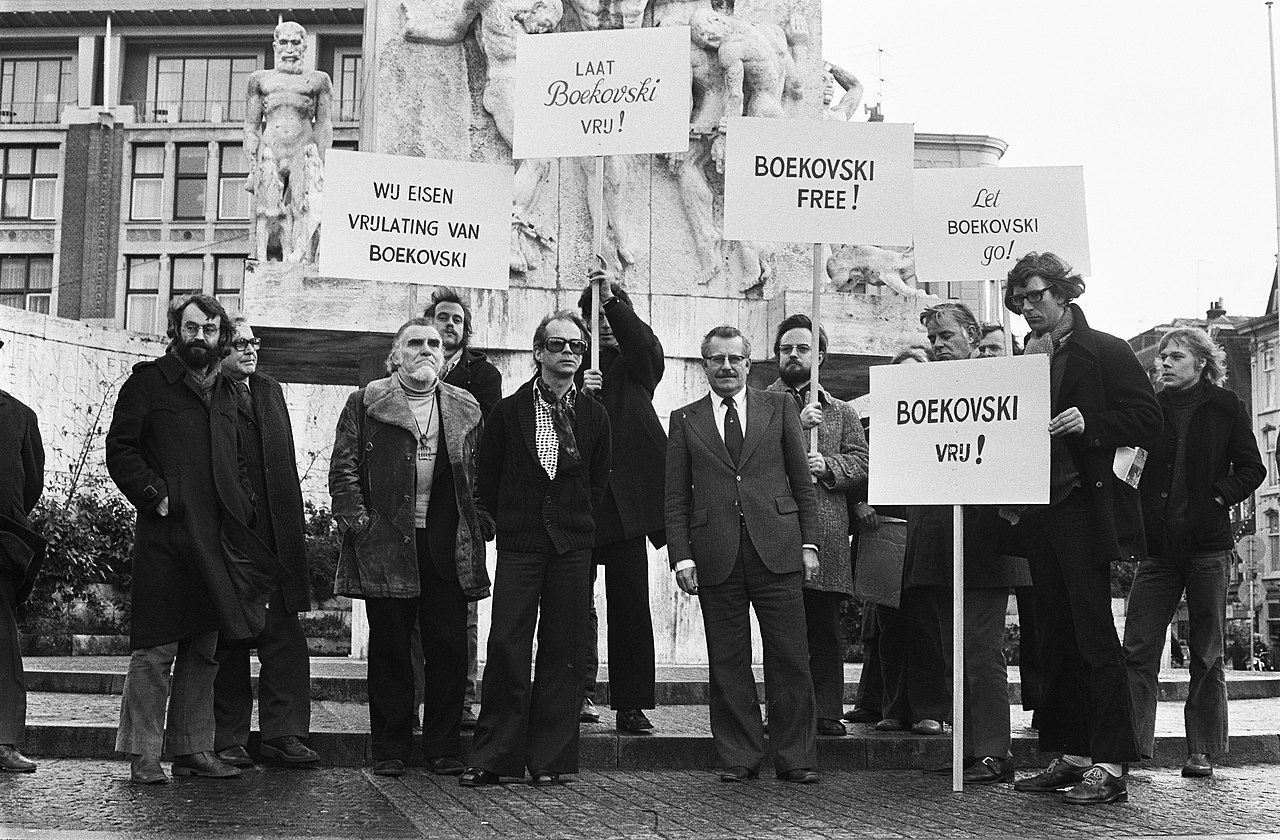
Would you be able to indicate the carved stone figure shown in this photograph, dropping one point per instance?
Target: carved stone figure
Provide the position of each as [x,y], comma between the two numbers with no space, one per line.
[847,108]
[287,130]
[853,268]
[759,68]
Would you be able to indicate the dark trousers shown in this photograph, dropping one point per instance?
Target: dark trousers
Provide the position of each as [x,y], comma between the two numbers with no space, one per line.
[914,639]
[871,682]
[1030,669]
[284,683]
[735,713]
[440,612]
[13,686]
[826,662]
[986,675]
[626,591]
[1153,600]
[524,723]
[1086,708]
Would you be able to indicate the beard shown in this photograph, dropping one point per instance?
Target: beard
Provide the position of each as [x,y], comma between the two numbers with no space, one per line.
[794,375]
[196,353]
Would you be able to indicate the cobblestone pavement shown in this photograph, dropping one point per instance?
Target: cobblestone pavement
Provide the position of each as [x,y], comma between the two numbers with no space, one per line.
[92,799]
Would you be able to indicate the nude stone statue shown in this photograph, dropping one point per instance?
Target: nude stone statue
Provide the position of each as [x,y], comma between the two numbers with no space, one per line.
[759,68]
[847,108]
[856,268]
[287,130]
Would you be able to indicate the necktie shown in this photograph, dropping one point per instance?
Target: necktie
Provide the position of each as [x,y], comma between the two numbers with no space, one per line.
[732,430]
[243,398]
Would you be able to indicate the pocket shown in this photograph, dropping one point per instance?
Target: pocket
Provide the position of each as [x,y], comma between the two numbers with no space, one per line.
[699,517]
[786,504]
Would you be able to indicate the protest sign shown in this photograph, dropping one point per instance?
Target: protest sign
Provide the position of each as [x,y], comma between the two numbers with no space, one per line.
[974,223]
[414,220]
[614,92]
[962,432]
[810,181]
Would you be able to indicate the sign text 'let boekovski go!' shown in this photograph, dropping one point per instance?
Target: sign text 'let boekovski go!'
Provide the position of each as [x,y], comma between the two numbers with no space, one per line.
[961,432]
[414,220]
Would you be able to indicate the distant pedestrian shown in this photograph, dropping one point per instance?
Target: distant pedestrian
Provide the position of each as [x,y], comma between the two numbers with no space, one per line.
[198,566]
[21,553]
[284,682]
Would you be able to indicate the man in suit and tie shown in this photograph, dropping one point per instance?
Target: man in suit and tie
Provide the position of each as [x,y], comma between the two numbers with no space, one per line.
[742,530]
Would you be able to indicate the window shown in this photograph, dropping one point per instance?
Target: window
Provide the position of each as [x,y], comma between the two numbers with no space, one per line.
[189,190]
[202,89]
[186,276]
[350,69]
[228,282]
[35,90]
[26,282]
[1269,453]
[1269,395]
[142,311]
[148,182]
[29,180]
[233,174]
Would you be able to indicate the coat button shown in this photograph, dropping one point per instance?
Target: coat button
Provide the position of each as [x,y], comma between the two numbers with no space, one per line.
[406,498]
[408,540]
[1098,485]
[1164,495]
[408,457]
[738,477]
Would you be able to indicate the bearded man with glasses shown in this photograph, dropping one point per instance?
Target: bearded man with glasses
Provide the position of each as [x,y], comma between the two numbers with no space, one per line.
[198,567]
[542,471]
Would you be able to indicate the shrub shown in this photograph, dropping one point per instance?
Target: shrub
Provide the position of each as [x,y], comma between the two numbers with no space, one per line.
[323,543]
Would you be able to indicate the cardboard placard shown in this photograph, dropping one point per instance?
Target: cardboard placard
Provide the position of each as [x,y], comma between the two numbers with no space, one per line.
[810,181]
[614,92]
[415,220]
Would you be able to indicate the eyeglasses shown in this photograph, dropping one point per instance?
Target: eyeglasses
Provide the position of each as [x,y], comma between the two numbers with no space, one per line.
[193,329]
[719,361]
[1032,295]
[243,344]
[785,349]
[556,345]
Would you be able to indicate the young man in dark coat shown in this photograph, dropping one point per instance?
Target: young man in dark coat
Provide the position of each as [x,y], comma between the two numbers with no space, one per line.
[21,552]
[1205,461]
[198,566]
[631,366]
[1101,400]
[284,684]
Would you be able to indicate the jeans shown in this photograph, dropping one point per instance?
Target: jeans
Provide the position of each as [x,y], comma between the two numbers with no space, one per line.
[1157,589]
[189,695]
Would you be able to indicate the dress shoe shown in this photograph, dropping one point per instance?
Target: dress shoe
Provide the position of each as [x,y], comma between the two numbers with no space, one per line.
[289,749]
[542,778]
[633,721]
[203,764]
[801,776]
[589,713]
[738,773]
[1098,788]
[827,726]
[393,767]
[12,761]
[445,765]
[891,725]
[860,715]
[989,770]
[236,756]
[1058,775]
[146,770]
[1198,766]
[928,726]
[468,719]
[477,777]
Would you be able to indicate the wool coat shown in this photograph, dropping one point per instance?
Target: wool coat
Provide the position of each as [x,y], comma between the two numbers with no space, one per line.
[21,483]
[477,375]
[201,567]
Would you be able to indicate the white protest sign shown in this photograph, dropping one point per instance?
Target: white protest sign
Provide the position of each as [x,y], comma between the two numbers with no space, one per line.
[962,432]
[811,181]
[414,220]
[974,223]
[613,92]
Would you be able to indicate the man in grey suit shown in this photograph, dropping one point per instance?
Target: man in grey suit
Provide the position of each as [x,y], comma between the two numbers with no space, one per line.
[742,532]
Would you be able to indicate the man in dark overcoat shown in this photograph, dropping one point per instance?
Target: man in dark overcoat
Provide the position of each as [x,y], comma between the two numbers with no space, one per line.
[284,682]
[21,553]
[198,567]
[631,366]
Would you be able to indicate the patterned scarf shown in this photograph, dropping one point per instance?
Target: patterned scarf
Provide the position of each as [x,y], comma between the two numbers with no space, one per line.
[202,381]
[562,414]
[1048,342]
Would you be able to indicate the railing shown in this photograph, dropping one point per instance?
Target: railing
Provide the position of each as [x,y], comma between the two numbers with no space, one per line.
[31,113]
[220,111]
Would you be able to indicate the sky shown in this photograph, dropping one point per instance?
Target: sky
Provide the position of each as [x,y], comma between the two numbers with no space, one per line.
[1167,106]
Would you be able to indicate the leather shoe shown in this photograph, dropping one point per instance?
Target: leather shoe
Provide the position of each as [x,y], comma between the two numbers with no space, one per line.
[236,756]
[542,778]
[468,720]
[204,764]
[801,776]
[633,722]
[146,770]
[737,773]
[827,726]
[891,725]
[1198,766]
[1058,775]
[12,761]
[928,726]
[445,765]
[1098,788]
[860,715]
[589,713]
[289,749]
[477,777]
[989,770]
[393,767]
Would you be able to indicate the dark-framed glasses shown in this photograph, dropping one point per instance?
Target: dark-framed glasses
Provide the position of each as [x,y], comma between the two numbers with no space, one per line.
[243,344]
[785,349]
[720,360]
[191,328]
[556,345]
[1031,295]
